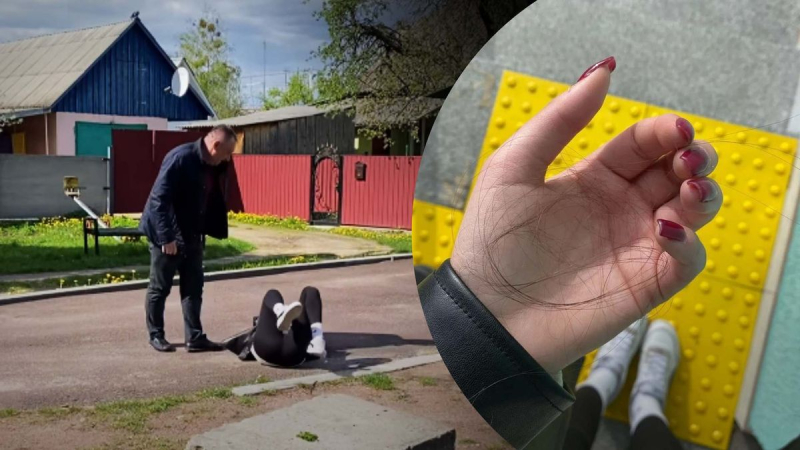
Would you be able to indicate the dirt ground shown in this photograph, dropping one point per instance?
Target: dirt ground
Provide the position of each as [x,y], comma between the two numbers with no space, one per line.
[426,391]
[286,242]
[93,348]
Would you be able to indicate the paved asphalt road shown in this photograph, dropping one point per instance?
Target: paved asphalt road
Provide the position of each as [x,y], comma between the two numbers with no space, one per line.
[93,348]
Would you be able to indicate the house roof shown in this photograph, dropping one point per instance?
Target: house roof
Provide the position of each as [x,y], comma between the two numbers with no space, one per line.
[392,112]
[36,72]
[272,115]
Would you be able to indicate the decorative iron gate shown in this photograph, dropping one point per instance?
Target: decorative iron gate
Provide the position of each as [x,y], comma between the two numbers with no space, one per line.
[326,186]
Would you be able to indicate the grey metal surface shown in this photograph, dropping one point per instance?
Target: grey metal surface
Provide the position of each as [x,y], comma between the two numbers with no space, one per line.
[35,72]
[33,185]
[734,61]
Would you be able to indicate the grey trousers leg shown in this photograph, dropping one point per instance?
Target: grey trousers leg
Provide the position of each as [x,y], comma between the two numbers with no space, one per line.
[189,264]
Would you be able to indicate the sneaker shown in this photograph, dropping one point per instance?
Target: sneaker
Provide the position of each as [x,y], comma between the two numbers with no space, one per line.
[288,314]
[616,354]
[316,348]
[659,359]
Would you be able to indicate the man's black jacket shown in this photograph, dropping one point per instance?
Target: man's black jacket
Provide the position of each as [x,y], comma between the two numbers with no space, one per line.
[177,209]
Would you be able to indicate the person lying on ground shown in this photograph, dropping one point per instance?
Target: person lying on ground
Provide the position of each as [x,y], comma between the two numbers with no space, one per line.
[283,335]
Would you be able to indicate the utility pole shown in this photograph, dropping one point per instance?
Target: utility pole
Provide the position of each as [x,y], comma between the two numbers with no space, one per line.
[264,90]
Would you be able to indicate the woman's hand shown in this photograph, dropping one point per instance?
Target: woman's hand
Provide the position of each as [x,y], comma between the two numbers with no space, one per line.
[567,264]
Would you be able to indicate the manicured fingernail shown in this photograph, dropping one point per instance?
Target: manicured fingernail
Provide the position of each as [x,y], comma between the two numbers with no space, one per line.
[686,129]
[705,189]
[609,62]
[696,159]
[671,230]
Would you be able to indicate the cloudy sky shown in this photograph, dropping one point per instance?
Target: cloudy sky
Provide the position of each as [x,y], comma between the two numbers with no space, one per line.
[287,26]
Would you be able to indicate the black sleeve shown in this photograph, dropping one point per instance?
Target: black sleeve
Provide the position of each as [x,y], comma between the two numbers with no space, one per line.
[162,198]
[499,377]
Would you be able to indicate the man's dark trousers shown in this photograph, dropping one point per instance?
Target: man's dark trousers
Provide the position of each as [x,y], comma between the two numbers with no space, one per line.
[189,265]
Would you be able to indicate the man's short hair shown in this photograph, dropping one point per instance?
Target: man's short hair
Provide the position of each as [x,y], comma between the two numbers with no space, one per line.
[227,132]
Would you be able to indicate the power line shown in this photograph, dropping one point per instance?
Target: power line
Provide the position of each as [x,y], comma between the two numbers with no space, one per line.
[254,87]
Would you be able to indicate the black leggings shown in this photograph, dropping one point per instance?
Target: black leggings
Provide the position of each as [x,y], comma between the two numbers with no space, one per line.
[651,433]
[275,347]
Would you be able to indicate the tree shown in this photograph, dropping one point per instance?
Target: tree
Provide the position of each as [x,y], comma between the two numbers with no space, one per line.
[206,49]
[7,120]
[381,61]
[299,91]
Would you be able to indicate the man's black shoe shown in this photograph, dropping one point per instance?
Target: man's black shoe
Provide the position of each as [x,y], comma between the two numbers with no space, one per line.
[203,345]
[161,344]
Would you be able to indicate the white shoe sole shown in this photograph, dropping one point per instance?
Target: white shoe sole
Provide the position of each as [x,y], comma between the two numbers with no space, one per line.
[290,313]
[321,352]
[318,356]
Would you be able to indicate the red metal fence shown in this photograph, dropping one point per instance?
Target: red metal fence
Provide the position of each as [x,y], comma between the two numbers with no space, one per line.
[136,159]
[276,184]
[385,197]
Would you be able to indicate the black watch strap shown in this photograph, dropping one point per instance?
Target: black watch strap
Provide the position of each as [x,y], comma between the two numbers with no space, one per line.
[500,378]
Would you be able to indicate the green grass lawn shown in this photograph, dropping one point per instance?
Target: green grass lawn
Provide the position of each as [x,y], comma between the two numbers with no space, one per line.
[55,245]
[398,241]
[115,276]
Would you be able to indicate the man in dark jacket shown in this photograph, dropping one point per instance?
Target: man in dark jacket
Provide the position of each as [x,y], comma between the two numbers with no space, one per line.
[186,203]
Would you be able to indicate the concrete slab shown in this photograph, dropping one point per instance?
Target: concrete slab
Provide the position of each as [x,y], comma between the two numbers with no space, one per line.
[337,421]
[400,364]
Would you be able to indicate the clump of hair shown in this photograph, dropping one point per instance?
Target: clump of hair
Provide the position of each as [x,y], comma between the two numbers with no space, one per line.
[227,132]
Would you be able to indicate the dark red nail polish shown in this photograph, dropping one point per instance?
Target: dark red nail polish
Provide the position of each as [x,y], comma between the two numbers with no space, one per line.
[609,62]
[686,129]
[705,189]
[696,160]
[671,230]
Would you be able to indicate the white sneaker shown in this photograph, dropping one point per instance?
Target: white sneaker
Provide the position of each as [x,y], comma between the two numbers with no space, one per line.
[657,364]
[616,354]
[289,313]
[316,347]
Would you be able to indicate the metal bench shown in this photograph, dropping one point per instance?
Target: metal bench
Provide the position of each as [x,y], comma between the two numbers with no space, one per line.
[91,226]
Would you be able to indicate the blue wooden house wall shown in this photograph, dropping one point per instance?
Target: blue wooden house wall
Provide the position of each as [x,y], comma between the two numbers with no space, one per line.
[129,80]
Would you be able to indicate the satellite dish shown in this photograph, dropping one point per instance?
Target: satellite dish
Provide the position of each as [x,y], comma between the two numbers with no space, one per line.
[180,82]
